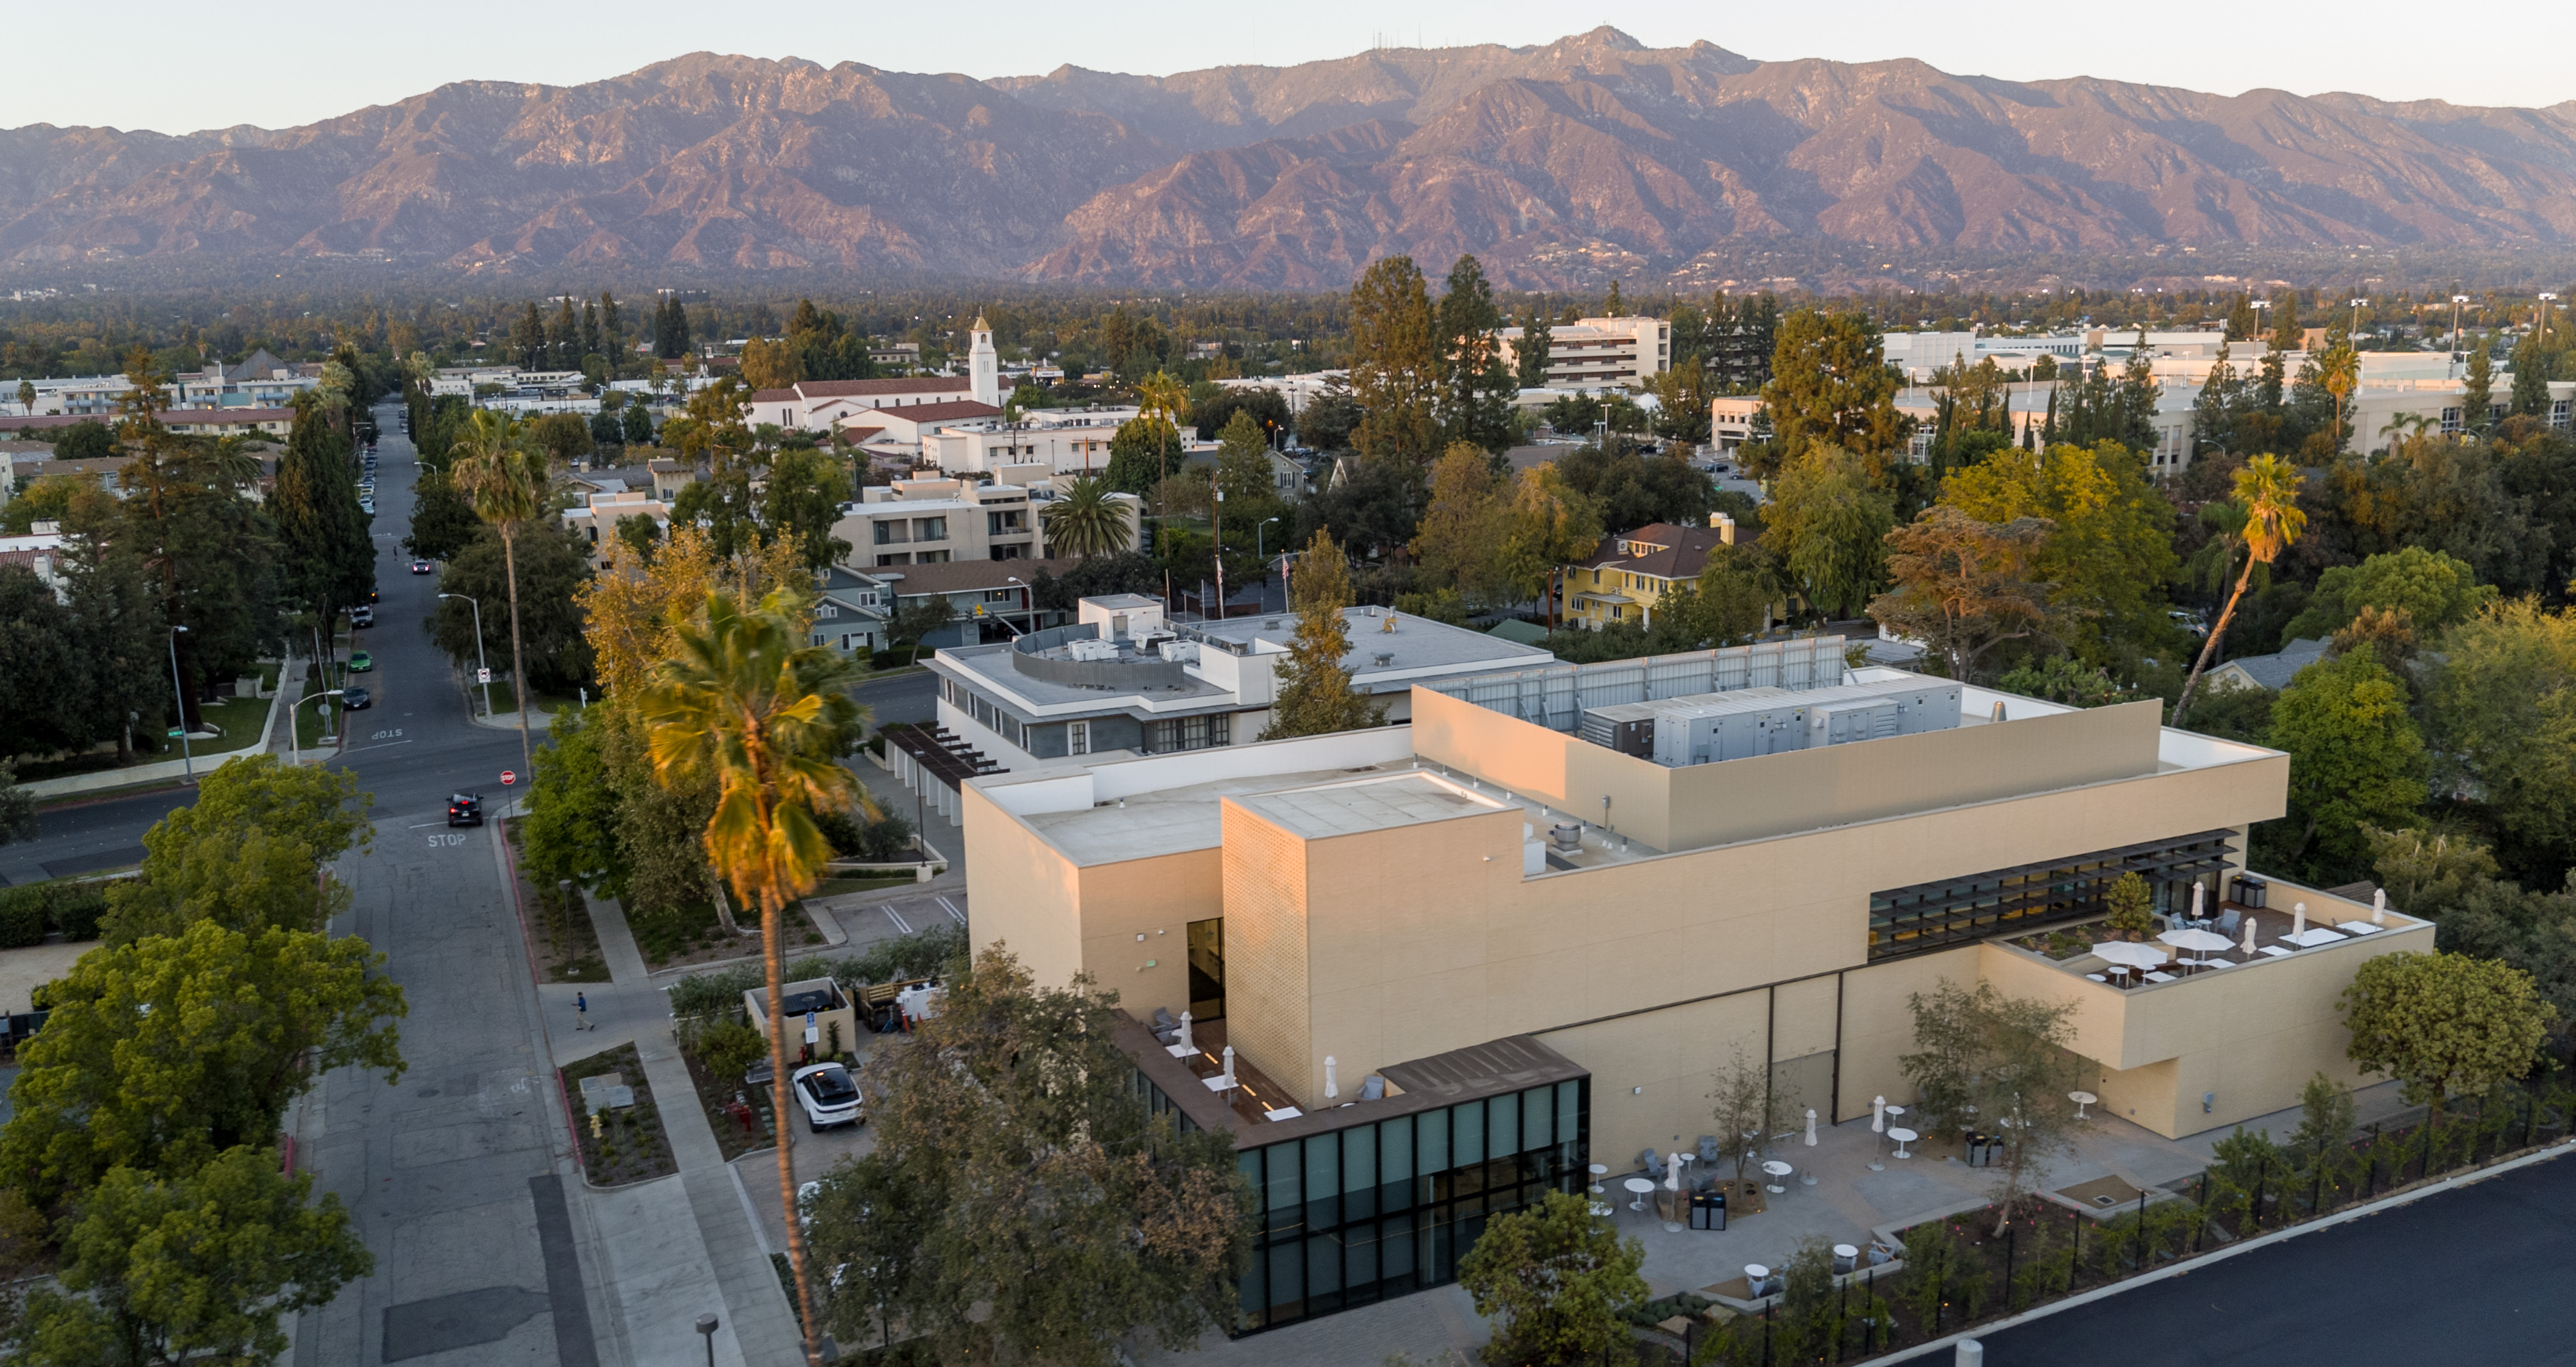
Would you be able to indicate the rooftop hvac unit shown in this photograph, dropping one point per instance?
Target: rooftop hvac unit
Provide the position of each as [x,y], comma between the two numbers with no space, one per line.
[1626,727]
[1840,723]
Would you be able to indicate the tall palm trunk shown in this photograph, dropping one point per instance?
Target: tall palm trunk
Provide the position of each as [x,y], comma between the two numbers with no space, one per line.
[2216,633]
[774,965]
[518,670]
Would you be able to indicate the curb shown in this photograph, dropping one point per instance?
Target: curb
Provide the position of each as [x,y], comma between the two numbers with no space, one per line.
[2194,1264]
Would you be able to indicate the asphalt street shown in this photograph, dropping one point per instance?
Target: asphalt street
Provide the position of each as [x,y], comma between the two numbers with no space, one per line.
[2476,1274]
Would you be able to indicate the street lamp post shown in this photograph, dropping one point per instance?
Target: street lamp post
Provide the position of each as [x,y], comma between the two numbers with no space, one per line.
[179,694]
[481,671]
[1260,553]
[2547,298]
[1028,608]
[707,1331]
[1216,538]
[2456,301]
[294,741]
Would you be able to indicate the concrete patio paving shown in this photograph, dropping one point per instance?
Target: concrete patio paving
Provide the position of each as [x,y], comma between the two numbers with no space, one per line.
[1848,1204]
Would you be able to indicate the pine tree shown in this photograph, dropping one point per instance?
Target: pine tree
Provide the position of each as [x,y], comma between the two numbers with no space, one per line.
[2287,335]
[528,340]
[2477,391]
[679,342]
[2241,324]
[1537,340]
[1315,694]
[1614,306]
[589,329]
[612,333]
[1476,388]
[1394,362]
[329,561]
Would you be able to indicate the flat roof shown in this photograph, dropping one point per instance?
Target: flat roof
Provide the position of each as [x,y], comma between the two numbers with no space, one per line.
[1373,803]
[1511,1064]
[1417,643]
[990,666]
[1168,821]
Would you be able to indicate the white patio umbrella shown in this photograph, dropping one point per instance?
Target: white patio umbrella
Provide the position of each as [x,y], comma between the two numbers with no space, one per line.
[2379,906]
[2196,891]
[1673,1170]
[2248,946]
[2298,919]
[1878,1115]
[1185,1032]
[2198,941]
[1811,1127]
[2127,952]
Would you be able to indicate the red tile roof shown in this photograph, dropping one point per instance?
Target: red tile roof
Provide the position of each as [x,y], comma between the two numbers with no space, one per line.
[860,389]
[773,396]
[941,412]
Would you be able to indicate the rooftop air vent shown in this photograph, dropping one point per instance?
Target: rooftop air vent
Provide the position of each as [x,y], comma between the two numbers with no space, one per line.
[1384,659]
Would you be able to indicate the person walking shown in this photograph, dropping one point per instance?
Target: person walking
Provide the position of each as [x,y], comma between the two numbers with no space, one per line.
[581,1011]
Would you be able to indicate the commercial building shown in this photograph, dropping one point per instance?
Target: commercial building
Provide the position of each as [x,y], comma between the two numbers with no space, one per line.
[1551,942]
[596,519]
[1063,441]
[1595,352]
[1121,677]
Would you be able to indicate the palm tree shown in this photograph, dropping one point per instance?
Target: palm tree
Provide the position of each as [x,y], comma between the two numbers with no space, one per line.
[1086,521]
[2417,423]
[742,701]
[2267,493]
[2340,371]
[504,477]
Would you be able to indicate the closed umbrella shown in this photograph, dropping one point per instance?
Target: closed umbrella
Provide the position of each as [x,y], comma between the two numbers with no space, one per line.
[2298,920]
[2248,946]
[1878,1115]
[1673,1171]
[1186,1045]
[2196,891]
[2379,906]
[1811,1127]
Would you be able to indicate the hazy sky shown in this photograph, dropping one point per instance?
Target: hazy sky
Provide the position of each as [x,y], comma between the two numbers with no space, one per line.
[178,67]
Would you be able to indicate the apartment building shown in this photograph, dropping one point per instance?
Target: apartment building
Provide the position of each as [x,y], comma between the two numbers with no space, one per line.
[935,521]
[1435,970]
[595,521]
[1594,352]
[1064,441]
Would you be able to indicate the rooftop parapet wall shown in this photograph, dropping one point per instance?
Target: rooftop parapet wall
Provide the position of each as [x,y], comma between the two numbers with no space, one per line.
[1746,799]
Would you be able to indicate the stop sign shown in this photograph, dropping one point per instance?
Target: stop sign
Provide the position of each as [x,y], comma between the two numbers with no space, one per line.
[508,778]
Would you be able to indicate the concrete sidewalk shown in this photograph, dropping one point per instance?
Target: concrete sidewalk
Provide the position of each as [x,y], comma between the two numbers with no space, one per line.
[163,771]
[680,1246]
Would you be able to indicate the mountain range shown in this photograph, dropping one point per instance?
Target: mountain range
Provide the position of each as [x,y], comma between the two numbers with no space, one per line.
[1556,165]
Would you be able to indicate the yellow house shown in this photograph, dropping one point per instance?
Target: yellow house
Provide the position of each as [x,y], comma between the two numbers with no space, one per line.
[1628,574]
[1434,970]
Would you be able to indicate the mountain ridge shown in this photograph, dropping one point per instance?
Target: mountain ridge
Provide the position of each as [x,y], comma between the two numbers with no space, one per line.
[1555,163]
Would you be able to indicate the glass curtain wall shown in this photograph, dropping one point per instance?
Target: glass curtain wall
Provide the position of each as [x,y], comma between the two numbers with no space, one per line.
[1931,916]
[1384,1208]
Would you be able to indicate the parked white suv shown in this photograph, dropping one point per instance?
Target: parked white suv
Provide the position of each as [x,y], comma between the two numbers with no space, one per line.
[829,1095]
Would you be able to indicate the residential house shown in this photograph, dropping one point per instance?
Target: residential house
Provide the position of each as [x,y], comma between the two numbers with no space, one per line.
[1496,934]
[595,521]
[850,611]
[2273,671]
[41,552]
[24,462]
[1627,575]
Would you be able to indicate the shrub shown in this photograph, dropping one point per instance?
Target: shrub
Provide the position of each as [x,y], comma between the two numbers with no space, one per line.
[23,917]
[729,1048]
[77,909]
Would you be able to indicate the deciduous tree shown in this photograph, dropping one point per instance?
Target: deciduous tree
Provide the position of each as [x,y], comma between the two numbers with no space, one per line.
[1829,523]
[163,1053]
[2004,1061]
[196,1266]
[1020,1206]
[1963,586]
[2445,1025]
[249,853]
[1556,1280]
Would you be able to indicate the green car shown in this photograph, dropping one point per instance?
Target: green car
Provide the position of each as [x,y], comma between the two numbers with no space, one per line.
[360,662]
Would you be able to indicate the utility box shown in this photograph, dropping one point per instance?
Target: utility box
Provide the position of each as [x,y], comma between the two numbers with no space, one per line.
[1627,727]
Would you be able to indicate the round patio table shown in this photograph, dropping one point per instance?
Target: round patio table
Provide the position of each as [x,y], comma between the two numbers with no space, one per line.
[1599,1171]
[1641,1186]
[2082,1100]
[1903,1137]
[1778,1170]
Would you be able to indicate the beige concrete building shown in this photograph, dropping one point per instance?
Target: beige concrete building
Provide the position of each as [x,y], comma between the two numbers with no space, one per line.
[1590,353]
[1344,911]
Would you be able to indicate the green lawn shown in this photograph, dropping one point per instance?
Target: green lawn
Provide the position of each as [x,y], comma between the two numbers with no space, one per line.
[239,719]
